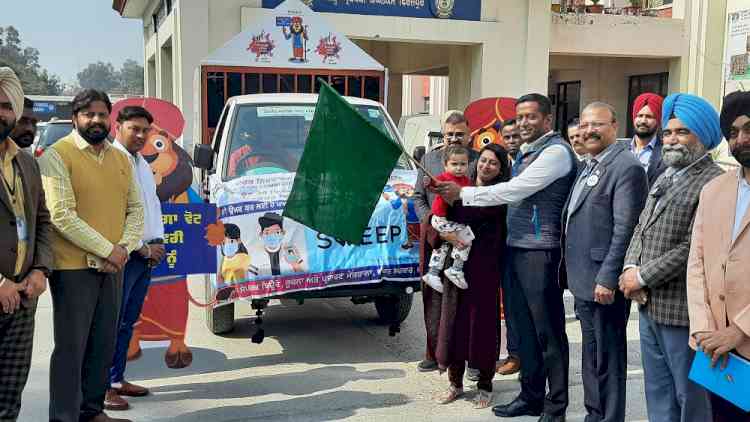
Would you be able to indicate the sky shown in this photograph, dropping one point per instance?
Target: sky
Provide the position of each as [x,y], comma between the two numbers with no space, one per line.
[70,34]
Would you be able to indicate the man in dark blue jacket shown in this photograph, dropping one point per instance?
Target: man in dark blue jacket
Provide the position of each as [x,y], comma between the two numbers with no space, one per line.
[598,221]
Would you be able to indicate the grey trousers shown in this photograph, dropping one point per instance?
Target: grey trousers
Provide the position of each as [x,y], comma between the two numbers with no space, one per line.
[604,357]
[85,308]
[667,357]
[16,343]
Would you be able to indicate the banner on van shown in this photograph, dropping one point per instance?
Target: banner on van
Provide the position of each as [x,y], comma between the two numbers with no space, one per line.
[260,254]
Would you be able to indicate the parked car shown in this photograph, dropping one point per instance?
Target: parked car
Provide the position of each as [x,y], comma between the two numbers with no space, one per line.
[50,133]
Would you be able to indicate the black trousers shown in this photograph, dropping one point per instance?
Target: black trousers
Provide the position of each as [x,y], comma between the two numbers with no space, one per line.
[604,357]
[85,308]
[16,343]
[540,324]
[510,324]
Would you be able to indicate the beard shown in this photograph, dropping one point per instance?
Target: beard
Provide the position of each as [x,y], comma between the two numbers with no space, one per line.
[645,132]
[24,139]
[742,155]
[6,127]
[94,134]
[680,156]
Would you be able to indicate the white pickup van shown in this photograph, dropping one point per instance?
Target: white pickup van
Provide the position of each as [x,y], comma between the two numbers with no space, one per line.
[260,138]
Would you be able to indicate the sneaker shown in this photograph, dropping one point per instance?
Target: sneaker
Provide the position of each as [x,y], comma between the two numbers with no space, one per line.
[433,281]
[427,366]
[457,277]
[472,374]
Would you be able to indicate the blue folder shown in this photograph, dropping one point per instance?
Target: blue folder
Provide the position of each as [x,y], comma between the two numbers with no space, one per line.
[732,383]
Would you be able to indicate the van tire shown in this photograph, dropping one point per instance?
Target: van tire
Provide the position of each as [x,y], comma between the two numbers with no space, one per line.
[218,320]
[394,309]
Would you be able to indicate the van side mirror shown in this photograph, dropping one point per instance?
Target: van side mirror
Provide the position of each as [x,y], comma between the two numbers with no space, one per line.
[203,156]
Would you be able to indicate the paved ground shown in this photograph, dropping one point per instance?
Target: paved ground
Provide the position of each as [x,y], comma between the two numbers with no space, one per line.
[323,361]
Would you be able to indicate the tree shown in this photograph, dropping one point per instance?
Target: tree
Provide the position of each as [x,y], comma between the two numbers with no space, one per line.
[99,75]
[25,62]
[131,78]
[103,76]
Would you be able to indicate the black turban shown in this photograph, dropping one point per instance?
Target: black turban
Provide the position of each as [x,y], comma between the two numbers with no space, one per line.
[735,105]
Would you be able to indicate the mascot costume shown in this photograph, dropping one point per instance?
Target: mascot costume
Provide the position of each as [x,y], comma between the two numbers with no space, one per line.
[165,311]
[486,117]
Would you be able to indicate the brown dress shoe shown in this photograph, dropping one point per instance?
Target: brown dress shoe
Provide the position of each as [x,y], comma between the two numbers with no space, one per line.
[113,401]
[131,390]
[102,417]
[510,366]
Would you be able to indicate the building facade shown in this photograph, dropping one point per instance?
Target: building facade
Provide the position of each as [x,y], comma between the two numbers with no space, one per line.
[492,48]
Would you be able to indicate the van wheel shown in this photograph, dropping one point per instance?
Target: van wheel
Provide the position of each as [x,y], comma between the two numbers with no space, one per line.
[218,320]
[394,309]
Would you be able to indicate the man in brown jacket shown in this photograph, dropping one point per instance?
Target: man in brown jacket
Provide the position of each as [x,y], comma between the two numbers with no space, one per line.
[718,292]
[25,252]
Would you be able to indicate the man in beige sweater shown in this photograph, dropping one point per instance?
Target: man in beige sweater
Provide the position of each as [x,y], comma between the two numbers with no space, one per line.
[96,209]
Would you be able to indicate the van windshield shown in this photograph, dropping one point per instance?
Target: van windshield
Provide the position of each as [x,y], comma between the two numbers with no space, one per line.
[270,138]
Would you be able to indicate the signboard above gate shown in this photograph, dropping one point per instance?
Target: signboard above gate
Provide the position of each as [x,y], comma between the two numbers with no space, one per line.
[468,10]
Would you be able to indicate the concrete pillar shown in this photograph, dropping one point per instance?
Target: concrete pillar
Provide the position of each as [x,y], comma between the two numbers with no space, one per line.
[190,47]
[701,69]
[537,46]
[395,92]
[459,72]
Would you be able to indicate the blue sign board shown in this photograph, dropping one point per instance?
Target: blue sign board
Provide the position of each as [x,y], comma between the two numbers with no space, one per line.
[187,251]
[45,108]
[469,10]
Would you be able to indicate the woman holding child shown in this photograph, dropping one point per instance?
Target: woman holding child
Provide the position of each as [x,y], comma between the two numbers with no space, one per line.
[468,318]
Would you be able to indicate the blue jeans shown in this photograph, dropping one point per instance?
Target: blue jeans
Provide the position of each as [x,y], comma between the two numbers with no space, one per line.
[667,357]
[136,279]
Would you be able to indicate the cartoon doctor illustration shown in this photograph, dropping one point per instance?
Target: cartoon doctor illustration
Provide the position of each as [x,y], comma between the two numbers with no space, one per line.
[274,256]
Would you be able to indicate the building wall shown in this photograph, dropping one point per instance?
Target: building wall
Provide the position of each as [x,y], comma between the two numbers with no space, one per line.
[507,53]
[603,78]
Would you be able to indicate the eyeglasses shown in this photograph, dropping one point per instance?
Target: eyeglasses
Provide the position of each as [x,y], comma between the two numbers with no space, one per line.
[592,125]
[6,106]
[454,135]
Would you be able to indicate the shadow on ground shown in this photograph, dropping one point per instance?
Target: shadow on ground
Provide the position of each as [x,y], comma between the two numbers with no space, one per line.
[319,408]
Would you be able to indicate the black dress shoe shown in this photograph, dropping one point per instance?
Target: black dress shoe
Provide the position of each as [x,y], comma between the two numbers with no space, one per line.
[551,418]
[517,407]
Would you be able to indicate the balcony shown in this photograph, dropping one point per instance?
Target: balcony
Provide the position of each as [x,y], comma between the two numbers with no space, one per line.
[616,35]
[647,8]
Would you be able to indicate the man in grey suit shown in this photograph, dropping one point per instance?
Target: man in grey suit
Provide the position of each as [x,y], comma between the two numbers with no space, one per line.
[455,131]
[656,261]
[599,218]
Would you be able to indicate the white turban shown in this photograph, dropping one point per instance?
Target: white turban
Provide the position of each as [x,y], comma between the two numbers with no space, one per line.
[10,84]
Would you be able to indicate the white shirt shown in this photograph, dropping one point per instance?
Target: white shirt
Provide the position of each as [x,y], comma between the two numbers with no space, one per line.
[743,203]
[153,228]
[552,164]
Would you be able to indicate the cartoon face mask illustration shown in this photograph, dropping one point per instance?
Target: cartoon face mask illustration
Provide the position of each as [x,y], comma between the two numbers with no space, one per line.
[272,241]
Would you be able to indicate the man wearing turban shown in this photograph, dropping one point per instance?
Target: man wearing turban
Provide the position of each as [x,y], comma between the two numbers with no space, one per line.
[717,287]
[655,265]
[25,237]
[646,144]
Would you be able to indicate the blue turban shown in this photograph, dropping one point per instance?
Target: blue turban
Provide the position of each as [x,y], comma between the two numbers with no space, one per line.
[697,114]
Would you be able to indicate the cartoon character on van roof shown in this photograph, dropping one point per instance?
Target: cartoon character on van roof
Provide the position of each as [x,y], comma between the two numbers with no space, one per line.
[298,34]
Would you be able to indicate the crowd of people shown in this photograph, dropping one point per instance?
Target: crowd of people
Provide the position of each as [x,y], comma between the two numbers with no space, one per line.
[652,219]
[86,217]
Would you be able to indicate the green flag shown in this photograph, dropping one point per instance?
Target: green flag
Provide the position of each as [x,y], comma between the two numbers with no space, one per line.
[344,167]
